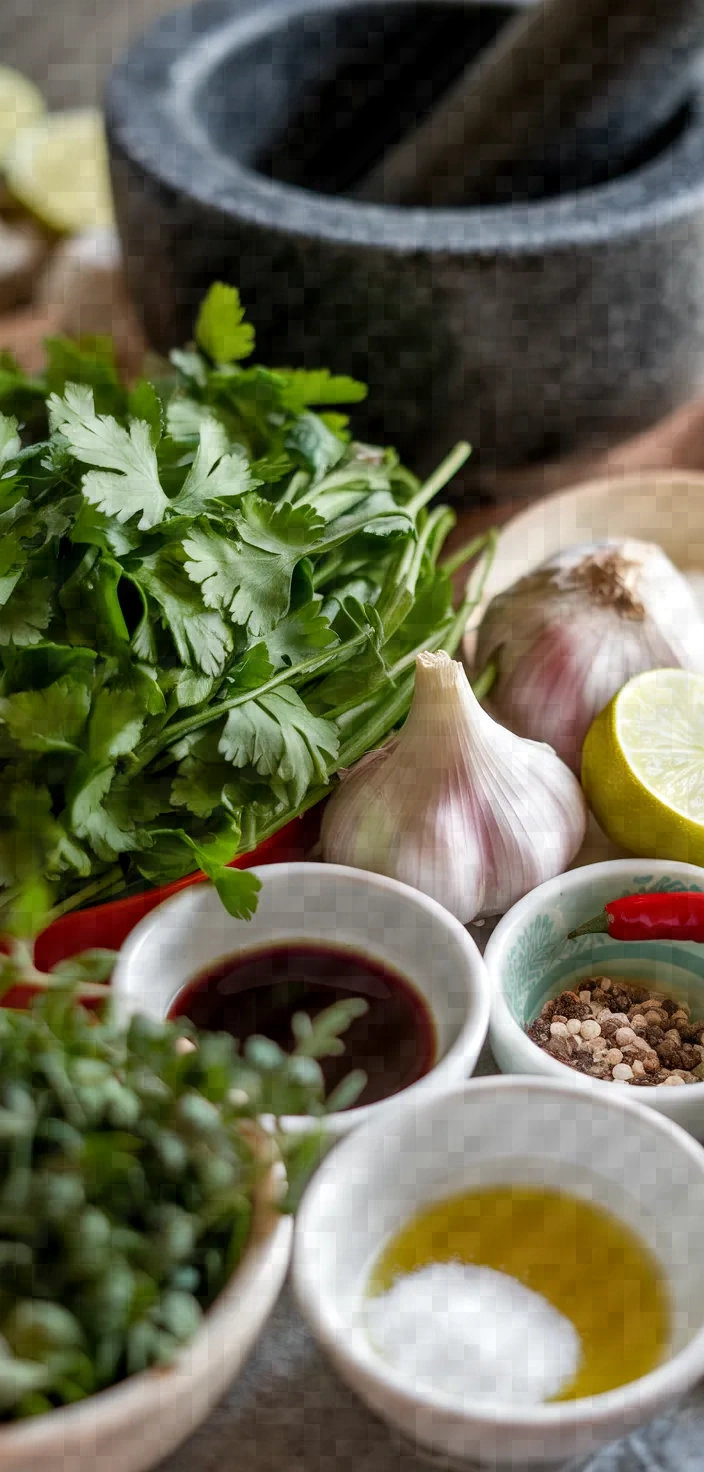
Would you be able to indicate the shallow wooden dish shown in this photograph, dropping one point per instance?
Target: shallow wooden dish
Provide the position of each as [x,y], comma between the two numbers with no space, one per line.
[666,507]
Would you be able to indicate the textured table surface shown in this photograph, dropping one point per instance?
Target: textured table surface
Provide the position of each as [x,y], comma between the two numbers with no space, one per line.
[289,1412]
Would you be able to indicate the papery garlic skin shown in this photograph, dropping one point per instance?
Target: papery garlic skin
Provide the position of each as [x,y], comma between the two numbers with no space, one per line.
[567,637]
[456,805]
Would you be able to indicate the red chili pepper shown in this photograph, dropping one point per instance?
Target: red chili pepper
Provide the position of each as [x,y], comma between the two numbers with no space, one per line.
[655,916]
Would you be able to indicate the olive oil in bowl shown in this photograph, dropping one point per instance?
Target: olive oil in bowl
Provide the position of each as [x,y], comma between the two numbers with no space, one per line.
[518,1292]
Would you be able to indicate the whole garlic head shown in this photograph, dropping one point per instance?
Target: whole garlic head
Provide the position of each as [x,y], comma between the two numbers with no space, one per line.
[567,637]
[456,805]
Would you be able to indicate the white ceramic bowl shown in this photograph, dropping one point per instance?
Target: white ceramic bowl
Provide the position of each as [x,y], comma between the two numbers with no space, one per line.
[132,1426]
[529,959]
[504,1131]
[327,903]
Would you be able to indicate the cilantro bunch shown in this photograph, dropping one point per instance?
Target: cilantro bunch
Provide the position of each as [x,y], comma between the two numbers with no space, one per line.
[129,1162]
[211,599]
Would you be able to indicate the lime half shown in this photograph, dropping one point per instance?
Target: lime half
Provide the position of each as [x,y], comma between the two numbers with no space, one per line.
[643,766]
[21,103]
[58,169]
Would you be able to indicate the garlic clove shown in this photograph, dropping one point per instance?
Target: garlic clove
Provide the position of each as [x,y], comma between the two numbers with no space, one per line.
[456,805]
[568,636]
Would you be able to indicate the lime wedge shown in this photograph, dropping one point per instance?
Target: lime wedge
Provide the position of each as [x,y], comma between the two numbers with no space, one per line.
[58,169]
[21,103]
[643,766]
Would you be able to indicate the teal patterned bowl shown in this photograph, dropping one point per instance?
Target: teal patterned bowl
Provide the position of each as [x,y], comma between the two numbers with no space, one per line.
[529,959]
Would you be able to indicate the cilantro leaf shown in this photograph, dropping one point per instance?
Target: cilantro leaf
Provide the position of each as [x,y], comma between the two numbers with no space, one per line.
[305,387]
[115,725]
[185,416]
[279,737]
[127,483]
[91,604]
[317,446]
[92,528]
[67,855]
[238,888]
[305,628]
[143,403]
[216,473]
[201,636]
[39,666]
[27,613]
[251,579]
[27,827]
[12,563]
[50,719]
[199,785]
[105,826]
[251,671]
[191,688]
[10,443]
[190,365]
[221,330]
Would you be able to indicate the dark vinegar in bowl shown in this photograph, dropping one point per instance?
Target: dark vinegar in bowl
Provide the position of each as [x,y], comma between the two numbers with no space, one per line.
[259,991]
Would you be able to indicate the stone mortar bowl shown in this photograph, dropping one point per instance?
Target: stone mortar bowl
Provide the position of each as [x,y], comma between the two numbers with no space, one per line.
[235,127]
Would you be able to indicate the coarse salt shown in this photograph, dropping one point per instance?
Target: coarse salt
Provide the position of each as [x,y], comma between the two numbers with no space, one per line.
[468,1331]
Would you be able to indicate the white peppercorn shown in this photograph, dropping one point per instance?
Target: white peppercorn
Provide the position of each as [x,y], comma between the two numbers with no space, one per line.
[622,1072]
[613,1056]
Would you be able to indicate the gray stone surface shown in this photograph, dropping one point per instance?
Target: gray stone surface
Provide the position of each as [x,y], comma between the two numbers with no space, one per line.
[529,329]
[289,1412]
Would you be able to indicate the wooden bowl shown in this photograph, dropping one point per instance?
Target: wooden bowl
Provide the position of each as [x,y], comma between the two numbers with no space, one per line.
[660,506]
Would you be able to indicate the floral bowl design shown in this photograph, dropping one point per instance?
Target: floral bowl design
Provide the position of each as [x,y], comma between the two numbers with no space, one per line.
[529,959]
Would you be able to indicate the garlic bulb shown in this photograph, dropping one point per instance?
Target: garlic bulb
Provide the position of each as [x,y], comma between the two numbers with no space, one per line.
[568,636]
[456,805]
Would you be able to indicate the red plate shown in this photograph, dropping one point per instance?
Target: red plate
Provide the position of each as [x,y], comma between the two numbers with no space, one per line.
[109,925]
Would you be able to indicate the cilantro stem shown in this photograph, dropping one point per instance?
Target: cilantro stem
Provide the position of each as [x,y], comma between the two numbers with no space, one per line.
[391,710]
[19,970]
[393,607]
[88,893]
[474,596]
[483,683]
[179,729]
[440,477]
[395,671]
[440,533]
[455,560]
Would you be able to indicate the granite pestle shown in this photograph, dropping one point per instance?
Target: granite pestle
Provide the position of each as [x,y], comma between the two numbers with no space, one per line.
[565,97]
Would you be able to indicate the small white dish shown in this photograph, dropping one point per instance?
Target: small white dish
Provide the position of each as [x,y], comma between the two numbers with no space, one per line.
[493,1131]
[328,904]
[130,1427]
[529,959]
